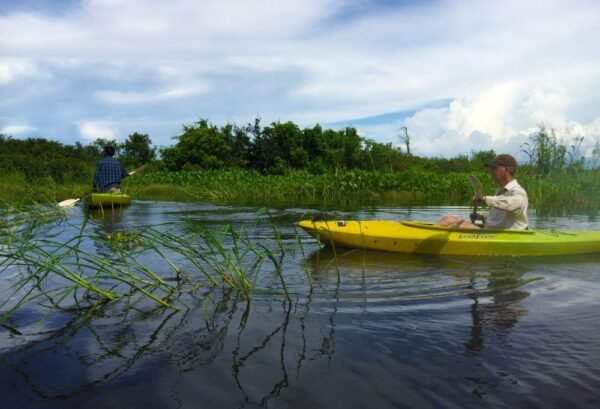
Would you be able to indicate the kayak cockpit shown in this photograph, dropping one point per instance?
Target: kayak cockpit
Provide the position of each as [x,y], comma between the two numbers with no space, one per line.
[433,226]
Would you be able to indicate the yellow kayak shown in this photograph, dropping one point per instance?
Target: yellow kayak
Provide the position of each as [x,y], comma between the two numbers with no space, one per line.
[429,238]
[109,200]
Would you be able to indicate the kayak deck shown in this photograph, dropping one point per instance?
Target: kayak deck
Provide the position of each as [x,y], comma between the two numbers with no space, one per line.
[109,200]
[429,238]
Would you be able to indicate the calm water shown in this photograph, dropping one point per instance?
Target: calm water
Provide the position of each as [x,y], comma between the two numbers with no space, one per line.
[377,330]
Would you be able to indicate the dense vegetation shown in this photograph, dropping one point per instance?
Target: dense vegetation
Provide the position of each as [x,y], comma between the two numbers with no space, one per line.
[283,162]
[36,159]
[272,150]
[283,147]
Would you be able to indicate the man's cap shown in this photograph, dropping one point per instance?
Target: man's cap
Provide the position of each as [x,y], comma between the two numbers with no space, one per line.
[502,160]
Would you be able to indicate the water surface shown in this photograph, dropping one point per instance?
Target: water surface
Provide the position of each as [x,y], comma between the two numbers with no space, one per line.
[377,330]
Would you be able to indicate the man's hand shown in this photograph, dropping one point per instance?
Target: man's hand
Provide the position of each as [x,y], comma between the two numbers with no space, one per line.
[477,200]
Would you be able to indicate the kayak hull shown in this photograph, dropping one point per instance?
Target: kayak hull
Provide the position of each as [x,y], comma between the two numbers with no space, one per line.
[428,238]
[109,200]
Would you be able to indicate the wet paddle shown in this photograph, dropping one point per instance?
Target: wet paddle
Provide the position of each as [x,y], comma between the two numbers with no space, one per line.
[136,170]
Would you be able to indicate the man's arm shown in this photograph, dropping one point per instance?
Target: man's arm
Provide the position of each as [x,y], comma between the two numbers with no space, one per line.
[512,204]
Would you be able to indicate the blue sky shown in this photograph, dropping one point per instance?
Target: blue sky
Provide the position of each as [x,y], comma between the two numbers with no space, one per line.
[461,75]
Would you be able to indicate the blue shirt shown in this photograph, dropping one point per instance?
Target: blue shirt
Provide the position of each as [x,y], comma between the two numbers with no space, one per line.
[108,174]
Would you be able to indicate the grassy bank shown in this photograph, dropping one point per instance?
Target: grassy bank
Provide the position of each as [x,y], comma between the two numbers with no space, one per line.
[408,186]
[16,189]
[564,192]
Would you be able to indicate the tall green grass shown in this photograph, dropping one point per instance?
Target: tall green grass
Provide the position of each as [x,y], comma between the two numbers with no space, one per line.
[17,190]
[409,186]
[565,191]
[560,192]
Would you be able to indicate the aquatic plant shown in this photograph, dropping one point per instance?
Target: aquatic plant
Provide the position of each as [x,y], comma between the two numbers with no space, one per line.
[555,191]
[152,262]
[552,192]
[126,239]
[415,185]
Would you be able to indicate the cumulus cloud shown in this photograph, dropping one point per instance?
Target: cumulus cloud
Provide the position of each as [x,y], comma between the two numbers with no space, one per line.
[506,66]
[92,130]
[500,118]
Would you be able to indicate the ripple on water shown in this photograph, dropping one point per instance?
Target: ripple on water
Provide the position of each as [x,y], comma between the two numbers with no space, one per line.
[377,329]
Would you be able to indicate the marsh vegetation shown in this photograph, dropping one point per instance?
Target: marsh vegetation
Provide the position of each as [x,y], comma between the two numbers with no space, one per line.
[147,264]
[281,162]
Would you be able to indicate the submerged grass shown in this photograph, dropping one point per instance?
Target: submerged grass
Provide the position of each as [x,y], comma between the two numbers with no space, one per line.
[153,263]
[52,270]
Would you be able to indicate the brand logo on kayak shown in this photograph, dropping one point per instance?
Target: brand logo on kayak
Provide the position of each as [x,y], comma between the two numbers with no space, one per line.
[476,236]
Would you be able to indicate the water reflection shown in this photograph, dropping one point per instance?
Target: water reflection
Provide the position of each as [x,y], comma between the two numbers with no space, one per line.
[102,343]
[376,330]
[503,311]
[108,217]
[105,222]
[388,282]
[105,344]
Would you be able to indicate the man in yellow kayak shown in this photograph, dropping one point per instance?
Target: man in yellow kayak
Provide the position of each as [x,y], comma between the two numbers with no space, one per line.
[109,173]
[508,208]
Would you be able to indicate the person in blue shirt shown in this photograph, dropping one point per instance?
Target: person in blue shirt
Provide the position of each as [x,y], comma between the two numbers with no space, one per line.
[108,174]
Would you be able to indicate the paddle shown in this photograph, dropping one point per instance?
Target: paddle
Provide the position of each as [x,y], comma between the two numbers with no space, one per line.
[68,203]
[73,202]
[136,170]
[476,184]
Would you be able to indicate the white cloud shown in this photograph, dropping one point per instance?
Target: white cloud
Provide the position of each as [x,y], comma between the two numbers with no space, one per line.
[119,97]
[92,130]
[97,29]
[260,63]
[507,65]
[16,129]
[12,69]
[504,115]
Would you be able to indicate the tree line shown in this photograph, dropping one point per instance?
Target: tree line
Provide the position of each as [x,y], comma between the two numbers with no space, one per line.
[273,149]
[38,158]
[279,147]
